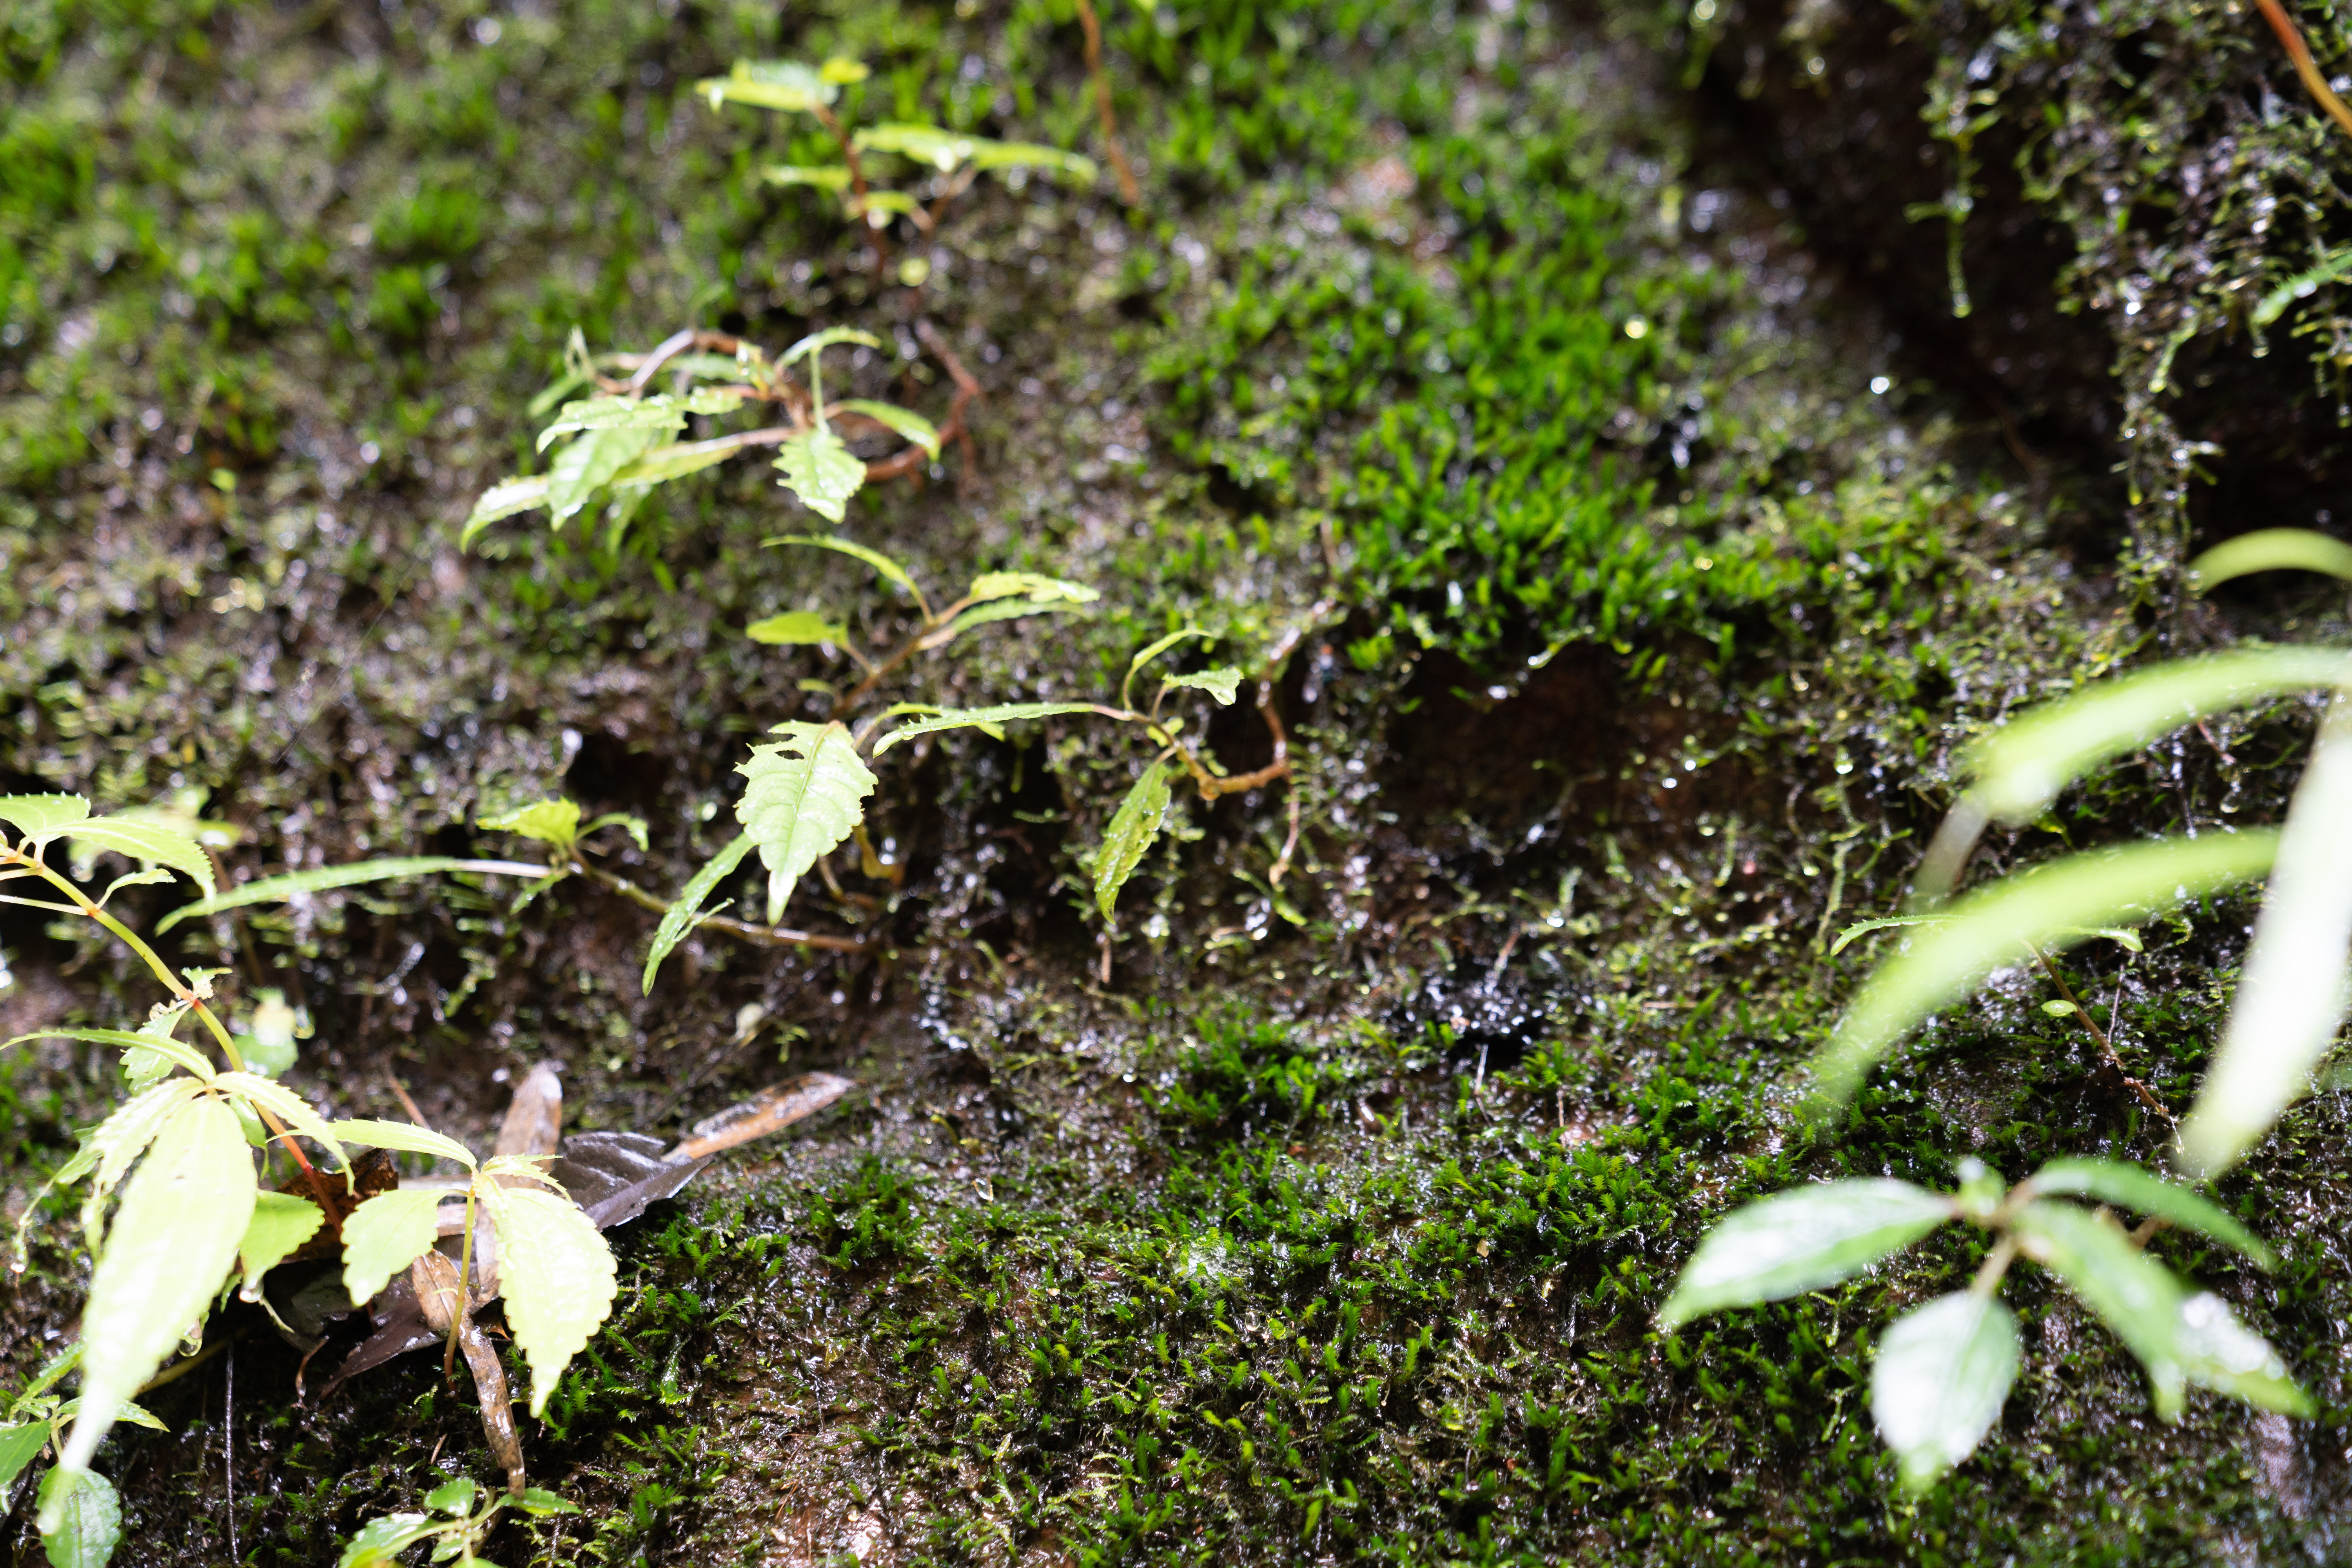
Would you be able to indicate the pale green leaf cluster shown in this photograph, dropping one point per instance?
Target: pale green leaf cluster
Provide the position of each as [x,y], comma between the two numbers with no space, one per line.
[1943,1370]
[150,838]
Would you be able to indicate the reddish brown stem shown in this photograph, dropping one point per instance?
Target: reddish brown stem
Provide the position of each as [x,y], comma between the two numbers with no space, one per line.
[2304,66]
[1129,191]
[857,184]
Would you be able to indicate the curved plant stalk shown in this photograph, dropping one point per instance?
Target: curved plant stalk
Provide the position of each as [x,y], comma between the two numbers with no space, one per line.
[2305,66]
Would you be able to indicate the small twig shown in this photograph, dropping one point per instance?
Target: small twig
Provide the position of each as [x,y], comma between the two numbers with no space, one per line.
[857,183]
[2106,1046]
[1129,191]
[407,1104]
[2305,66]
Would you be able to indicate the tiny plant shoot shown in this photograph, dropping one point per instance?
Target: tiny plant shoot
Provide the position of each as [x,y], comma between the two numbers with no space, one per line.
[1944,1368]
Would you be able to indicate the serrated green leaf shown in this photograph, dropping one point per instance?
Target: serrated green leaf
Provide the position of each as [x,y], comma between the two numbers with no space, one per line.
[801,796]
[994,156]
[1221,683]
[660,413]
[2138,1298]
[183,1211]
[786,85]
[385,1235]
[906,423]
[81,1517]
[1940,1377]
[817,341]
[819,467]
[2046,908]
[176,1051]
[280,1223]
[503,499]
[2130,1187]
[404,1136]
[380,1542]
[586,465]
[889,570]
[555,822]
[19,1445]
[971,717]
[453,1496]
[1800,1240]
[875,201]
[121,1139]
[823,176]
[288,1107]
[1152,651]
[943,150]
[666,463]
[557,1277]
[2219,1352]
[53,1372]
[326,879]
[43,816]
[147,841]
[1133,828]
[995,610]
[681,916]
[1032,587]
[2293,987]
[2270,549]
[711,400]
[635,827]
[539,1502]
[796,627]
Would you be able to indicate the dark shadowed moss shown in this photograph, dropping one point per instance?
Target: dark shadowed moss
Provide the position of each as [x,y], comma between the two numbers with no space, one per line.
[1647,584]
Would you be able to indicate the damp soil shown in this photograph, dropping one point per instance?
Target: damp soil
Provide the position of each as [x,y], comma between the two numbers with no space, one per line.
[1328,1221]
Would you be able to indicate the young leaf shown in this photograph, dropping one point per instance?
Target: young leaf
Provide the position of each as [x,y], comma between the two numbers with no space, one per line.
[2221,1353]
[1937,1385]
[269,1049]
[288,1107]
[973,718]
[82,1518]
[556,1274]
[664,463]
[1031,587]
[121,1137]
[538,1502]
[404,1136]
[1221,683]
[2136,1297]
[503,499]
[817,341]
[994,156]
[2130,1187]
[183,1212]
[294,884]
[2293,988]
[796,627]
[380,1542]
[385,1235]
[819,467]
[904,422]
[681,916]
[456,1496]
[2270,549]
[660,412]
[586,465]
[2020,767]
[888,569]
[787,85]
[801,796]
[1152,651]
[176,1051]
[824,177]
[1800,1240]
[995,610]
[281,1222]
[635,827]
[1133,828]
[555,822]
[147,841]
[2046,908]
[19,1445]
[38,816]
[943,150]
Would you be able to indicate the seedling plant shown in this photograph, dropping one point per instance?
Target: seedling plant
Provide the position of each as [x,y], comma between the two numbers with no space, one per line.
[1943,1370]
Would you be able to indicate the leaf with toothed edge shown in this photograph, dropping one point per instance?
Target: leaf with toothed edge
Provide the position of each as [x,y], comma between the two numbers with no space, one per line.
[682,916]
